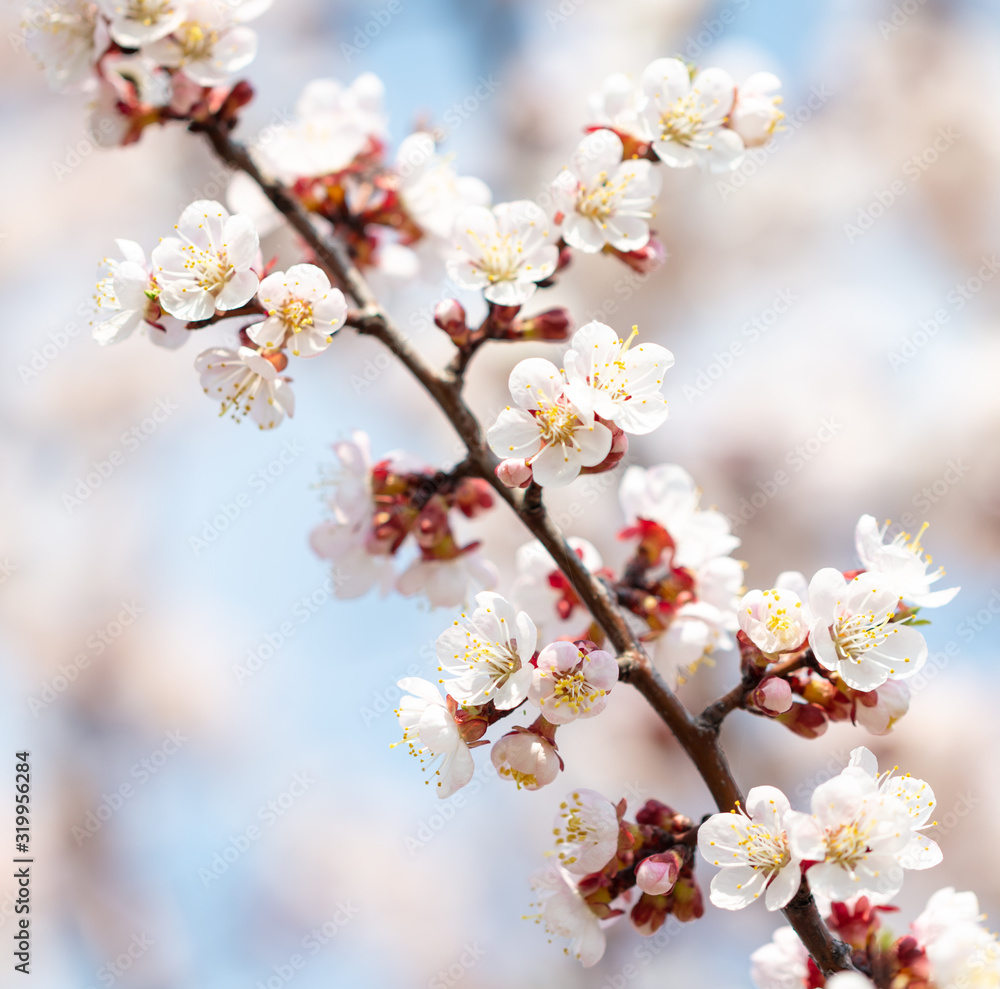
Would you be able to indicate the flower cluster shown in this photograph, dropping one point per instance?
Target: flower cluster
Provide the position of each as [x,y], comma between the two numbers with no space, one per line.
[681,581]
[946,947]
[493,669]
[685,116]
[863,833]
[576,420]
[142,62]
[842,646]
[838,647]
[606,866]
[152,61]
[210,270]
[378,509]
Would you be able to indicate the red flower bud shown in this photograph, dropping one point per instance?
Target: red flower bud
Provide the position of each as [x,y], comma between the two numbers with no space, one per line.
[772,696]
[658,873]
[514,473]
[449,315]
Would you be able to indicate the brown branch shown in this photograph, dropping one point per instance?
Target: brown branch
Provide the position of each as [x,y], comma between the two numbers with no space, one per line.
[699,741]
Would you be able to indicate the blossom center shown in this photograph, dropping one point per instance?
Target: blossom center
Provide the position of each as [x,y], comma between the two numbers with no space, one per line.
[682,121]
[854,635]
[208,269]
[766,851]
[847,844]
[148,12]
[197,40]
[295,313]
[558,422]
[574,690]
[604,199]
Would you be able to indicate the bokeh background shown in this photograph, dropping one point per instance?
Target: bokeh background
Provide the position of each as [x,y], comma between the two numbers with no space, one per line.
[892,340]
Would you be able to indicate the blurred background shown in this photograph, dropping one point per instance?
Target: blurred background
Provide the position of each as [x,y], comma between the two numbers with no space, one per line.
[195,823]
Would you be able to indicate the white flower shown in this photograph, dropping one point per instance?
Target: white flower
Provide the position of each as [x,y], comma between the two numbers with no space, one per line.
[915,795]
[617,105]
[666,494]
[447,583]
[855,836]
[565,914]
[966,957]
[344,538]
[755,115]
[504,251]
[569,684]
[430,729]
[303,311]
[527,758]
[751,849]
[608,377]
[696,630]
[489,654]
[783,963]
[903,561]
[775,620]
[601,199]
[209,46]
[65,38]
[961,952]
[333,125]
[586,830]
[126,298]
[686,116]
[247,383]
[207,265]
[139,22]
[878,710]
[945,910]
[548,431]
[541,590]
[853,633]
[431,191]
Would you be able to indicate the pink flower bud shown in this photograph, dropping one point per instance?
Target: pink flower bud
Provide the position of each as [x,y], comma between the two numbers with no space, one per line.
[526,758]
[514,473]
[772,695]
[449,315]
[647,259]
[658,873]
[553,324]
[807,720]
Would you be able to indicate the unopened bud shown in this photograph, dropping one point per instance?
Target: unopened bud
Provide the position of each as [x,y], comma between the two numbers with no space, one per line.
[772,696]
[514,473]
[449,315]
[649,913]
[658,873]
[819,690]
[553,324]
[646,259]
[807,720]
[473,496]
[527,758]
[686,899]
[657,814]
